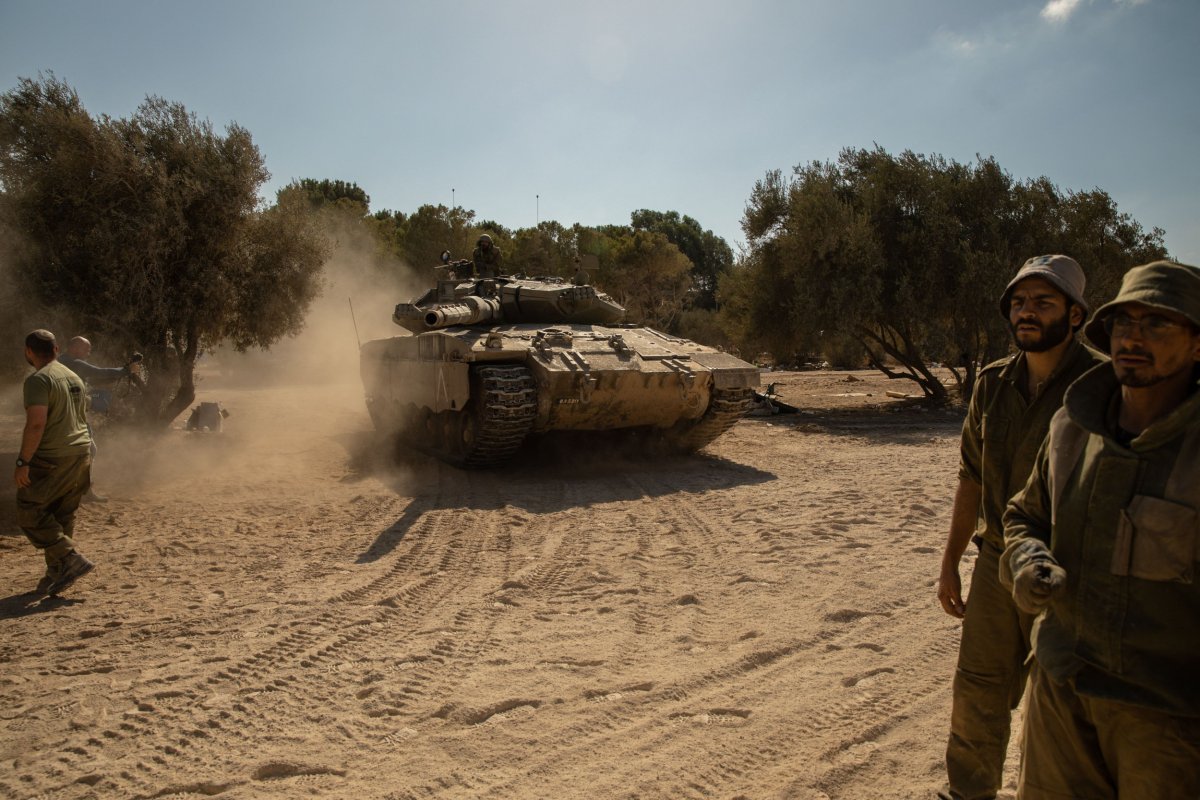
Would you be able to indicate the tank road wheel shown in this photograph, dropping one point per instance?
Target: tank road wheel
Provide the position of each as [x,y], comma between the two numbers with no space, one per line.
[725,408]
[423,427]
[416,428]
[466,429]
[459,430]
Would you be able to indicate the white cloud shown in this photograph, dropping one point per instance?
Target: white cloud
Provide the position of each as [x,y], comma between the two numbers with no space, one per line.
[997,40]
[1058,11]
[955,42]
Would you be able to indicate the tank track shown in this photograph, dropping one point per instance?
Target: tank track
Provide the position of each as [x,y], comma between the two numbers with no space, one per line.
[504,408]
[725,408]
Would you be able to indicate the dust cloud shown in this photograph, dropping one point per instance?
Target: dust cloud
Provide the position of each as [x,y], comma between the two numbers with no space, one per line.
[285,406]
[361,289]
[271,396]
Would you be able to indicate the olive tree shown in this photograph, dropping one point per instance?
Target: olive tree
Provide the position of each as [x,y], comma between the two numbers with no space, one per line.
[650,278]
[431,229]
[710,255]
[909,255]
[148,230]
[547,249]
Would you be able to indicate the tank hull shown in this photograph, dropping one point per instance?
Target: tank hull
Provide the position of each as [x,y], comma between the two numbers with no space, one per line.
[560,377]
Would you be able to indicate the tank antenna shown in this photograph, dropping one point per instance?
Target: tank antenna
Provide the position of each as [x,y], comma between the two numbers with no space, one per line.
[357,339]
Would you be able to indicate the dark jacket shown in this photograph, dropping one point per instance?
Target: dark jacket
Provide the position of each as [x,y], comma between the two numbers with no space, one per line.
[1123,522]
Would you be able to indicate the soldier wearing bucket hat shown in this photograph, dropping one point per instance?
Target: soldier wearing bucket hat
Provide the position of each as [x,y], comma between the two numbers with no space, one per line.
[1163,286]
[1102,544]
[1063,272]
[1009,414]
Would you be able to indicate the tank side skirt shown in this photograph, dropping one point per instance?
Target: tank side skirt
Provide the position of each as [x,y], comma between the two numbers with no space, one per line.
[724,410]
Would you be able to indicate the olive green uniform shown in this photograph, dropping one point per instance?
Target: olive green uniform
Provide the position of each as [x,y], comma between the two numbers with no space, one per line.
[1000,440]
[488,263]
[60,470]
[1114,707]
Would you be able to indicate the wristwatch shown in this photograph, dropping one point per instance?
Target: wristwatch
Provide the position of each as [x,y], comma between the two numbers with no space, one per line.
[21,462]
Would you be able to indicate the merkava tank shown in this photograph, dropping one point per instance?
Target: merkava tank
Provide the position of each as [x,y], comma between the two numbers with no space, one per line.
[492,360]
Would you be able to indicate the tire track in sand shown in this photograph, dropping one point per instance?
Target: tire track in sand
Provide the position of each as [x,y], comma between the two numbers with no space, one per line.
[182,718]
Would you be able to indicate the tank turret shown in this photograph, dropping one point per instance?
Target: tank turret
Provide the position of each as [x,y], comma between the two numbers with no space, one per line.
[507,299]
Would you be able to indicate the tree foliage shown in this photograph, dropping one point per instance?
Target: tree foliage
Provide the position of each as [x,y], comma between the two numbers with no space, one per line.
[651,280]
[547,249]
[908,255]
[431,229]
[148,231]
[710,255]
[660,266]
[322,193]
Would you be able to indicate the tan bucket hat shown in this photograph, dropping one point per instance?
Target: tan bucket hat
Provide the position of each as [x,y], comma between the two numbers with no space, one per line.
[1062,271]
[1160,284]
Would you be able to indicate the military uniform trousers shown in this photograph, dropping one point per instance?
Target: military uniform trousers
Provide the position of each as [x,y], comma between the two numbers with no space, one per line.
[1085,748]
[46,509]
[988,682]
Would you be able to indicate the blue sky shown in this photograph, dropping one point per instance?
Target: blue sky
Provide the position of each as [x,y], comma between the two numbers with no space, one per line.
[585,112]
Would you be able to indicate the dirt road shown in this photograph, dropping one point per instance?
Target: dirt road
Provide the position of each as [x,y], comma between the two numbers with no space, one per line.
[283,610]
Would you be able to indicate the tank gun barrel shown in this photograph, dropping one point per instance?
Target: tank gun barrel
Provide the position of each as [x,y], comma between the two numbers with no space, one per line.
[472,310]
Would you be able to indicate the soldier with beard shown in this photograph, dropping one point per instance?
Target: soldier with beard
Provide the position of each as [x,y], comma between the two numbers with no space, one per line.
[1007,420]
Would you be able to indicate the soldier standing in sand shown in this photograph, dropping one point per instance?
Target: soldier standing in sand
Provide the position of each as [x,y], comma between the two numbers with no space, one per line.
[54,462]
[1007,420]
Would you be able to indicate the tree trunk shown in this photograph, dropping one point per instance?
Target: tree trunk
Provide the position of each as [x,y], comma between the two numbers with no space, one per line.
[904,352]
[171,386]
[967,387]
[185,393]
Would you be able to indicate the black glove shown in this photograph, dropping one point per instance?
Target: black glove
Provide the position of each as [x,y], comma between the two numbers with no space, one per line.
[1036,583]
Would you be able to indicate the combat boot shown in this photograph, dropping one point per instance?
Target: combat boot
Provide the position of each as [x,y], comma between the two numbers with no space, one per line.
[73,567]
[43,586]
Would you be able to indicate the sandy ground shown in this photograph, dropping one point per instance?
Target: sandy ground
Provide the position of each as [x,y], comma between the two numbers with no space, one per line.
[284,610]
